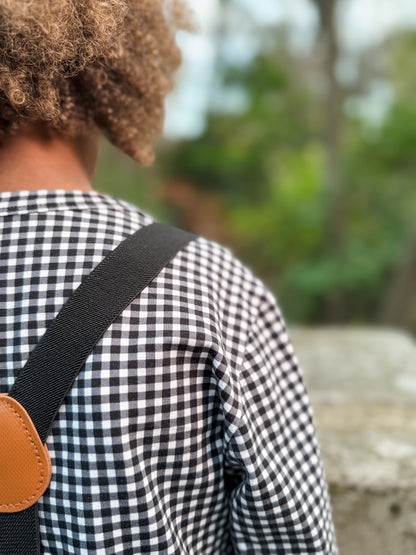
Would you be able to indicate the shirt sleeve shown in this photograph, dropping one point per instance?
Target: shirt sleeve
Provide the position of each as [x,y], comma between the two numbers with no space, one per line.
[279,502]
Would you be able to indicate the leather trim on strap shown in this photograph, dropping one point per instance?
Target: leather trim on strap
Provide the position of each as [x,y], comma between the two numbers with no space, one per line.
[25,465]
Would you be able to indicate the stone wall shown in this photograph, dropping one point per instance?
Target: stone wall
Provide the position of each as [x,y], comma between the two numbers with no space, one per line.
[362,385]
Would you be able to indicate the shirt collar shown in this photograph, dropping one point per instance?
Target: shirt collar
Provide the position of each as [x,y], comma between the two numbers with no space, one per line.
[46,200]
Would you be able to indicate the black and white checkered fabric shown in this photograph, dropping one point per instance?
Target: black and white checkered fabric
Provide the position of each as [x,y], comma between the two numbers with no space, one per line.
[189,430]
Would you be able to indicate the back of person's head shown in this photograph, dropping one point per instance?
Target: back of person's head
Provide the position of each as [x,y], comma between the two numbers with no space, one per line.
[71,66]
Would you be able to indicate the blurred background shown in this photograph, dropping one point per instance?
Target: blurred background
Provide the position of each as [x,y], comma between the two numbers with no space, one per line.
[291,138]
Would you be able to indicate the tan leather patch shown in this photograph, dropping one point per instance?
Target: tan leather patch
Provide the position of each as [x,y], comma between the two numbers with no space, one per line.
[25,465]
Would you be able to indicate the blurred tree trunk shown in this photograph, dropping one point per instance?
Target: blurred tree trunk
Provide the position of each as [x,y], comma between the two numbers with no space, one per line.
[219,37]
[400,303]
[333,117]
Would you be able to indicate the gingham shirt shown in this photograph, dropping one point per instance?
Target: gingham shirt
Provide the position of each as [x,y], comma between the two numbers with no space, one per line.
[189,430]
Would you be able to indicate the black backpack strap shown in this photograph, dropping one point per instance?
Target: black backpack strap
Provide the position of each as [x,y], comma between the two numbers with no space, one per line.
[57,359]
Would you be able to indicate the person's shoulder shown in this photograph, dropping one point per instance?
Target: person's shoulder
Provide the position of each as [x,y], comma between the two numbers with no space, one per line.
[237,294]
[211,272]
[222,264]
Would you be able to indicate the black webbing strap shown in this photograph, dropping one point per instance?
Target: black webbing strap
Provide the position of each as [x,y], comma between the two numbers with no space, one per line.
[54,363]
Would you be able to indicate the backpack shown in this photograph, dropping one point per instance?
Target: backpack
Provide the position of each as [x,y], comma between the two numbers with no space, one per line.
[29,409]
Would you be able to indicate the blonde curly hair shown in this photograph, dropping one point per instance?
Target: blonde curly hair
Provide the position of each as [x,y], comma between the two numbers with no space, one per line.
[77,65]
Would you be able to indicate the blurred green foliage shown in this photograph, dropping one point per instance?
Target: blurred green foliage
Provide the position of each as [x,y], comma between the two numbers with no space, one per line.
[268,164]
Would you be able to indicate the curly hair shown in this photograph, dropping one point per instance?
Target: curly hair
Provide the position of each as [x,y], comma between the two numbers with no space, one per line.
[77,65]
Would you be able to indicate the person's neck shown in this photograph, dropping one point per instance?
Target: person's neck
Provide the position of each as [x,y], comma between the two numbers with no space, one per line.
[29,162]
